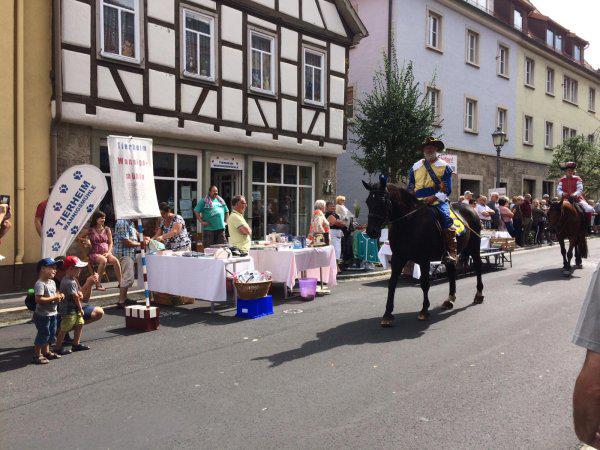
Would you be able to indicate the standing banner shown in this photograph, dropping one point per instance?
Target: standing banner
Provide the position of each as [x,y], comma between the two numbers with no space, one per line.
[75,196]
[132,177]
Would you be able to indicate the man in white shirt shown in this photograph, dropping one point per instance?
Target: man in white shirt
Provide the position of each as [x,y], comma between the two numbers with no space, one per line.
[484,212]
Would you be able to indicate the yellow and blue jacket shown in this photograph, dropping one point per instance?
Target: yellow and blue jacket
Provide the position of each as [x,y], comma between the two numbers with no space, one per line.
[420,182]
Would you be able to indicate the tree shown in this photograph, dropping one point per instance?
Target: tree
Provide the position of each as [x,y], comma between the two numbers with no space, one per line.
[391,121]
[587,156]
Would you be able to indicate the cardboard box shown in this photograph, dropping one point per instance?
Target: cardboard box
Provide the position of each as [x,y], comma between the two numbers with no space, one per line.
[140,317]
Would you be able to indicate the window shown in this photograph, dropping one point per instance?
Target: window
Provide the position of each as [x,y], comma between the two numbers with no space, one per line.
[282,198]
[501,119]
[471,115]
[518,20]
[198,48]
[550,38]
[350,102]
[558,43]
[503,60]
[549,81]
[433,99]
[592,100]
[313,77]
[549,135]
[472,47]
[529,72]
[119,30]
[528,131]
[262,67]
[568,133]
[434,30]
[577,53]
[481,4]
[548,188]
[570,90]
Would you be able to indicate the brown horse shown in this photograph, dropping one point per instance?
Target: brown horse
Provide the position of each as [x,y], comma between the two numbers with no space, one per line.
[569,223]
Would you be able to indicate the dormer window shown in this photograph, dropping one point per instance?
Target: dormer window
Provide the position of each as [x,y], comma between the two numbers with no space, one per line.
[550,38]
[554,40]
[518,20]
[577,52]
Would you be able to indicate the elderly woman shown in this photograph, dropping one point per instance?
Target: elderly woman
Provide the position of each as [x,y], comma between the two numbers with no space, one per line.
[319,225]
[171,230]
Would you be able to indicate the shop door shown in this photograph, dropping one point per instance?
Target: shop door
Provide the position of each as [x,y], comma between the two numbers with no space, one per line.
[229,183]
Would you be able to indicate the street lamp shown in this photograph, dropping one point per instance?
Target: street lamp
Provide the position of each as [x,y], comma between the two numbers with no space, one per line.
[499,138]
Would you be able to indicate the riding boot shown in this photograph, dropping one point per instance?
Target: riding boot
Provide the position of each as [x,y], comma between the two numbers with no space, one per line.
[451,245]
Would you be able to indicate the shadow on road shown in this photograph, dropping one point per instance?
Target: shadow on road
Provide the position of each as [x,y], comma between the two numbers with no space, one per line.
[542,276]
[363,331]
[15,358]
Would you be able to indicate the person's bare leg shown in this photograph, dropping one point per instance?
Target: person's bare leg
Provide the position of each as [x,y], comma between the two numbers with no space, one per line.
[116,266]
[77,334]
[101,260]
[59,340]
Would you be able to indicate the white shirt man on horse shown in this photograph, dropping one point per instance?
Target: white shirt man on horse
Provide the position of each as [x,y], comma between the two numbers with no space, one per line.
[430,179]
[571,187]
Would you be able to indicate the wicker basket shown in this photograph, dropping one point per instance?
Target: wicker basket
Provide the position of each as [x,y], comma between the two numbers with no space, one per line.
[252,291]
[506,244]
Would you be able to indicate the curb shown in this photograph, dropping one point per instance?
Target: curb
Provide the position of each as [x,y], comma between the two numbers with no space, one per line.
[360,275]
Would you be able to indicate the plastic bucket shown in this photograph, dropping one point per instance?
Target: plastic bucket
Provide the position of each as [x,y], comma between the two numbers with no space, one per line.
[308,288]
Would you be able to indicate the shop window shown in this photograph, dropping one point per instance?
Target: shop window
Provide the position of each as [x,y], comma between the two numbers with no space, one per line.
[282,204]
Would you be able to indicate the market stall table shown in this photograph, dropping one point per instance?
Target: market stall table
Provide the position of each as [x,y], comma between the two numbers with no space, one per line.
[199,278]
[286,264]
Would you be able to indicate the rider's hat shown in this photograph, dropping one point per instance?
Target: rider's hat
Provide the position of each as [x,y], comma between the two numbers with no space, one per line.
[569,165]
[432,141]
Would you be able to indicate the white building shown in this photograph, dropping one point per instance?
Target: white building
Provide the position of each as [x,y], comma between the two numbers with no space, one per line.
[247,95]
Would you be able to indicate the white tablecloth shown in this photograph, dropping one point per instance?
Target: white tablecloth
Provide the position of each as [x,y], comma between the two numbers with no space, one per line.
[285,265]
[200,278]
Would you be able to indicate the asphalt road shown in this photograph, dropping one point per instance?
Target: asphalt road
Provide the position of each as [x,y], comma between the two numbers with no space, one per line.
[317,375]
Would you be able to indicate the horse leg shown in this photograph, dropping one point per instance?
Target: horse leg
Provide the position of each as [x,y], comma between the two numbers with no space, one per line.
[578,260]
[567,270]
[451,271]
[563,251]
[388,318]
[475,255]
[424,313]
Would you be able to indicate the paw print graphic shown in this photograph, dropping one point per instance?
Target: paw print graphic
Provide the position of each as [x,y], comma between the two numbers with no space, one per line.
[51,232]
[55,247]
[63,188]
[74,229]
[78,175]
[90,208]
[57,206]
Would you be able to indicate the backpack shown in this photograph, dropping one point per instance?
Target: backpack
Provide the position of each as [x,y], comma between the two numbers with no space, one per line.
[30,300]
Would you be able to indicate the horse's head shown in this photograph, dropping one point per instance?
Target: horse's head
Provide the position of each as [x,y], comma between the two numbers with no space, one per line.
[379,205]
[553,214]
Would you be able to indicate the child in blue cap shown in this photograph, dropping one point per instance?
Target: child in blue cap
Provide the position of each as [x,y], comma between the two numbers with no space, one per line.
[45,315]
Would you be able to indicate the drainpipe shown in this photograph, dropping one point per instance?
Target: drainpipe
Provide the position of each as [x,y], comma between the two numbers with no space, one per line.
[389,51]
[57,88]
[20,132]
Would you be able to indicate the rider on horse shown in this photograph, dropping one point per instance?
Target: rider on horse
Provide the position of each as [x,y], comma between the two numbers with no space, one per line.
[430,179]
[571,187]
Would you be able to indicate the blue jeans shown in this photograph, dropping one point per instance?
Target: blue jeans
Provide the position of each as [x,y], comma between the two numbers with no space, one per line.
[46,329]
[444,209]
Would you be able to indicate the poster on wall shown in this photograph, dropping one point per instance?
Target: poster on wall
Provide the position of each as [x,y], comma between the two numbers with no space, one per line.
[132,177]
[501,191]
[451,160]
[75,196]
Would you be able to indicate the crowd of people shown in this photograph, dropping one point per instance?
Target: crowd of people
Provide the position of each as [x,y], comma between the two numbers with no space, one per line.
[522,216]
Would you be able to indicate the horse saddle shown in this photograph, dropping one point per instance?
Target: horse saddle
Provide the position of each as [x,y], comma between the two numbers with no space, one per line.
[457,220]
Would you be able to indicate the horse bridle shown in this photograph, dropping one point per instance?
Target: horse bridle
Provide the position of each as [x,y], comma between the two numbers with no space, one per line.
[388,206]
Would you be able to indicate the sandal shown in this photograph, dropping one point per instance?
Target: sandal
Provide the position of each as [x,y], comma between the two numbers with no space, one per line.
[99,287]
[51,355]
[40,360]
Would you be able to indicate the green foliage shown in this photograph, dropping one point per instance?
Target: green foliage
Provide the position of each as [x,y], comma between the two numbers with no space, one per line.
[391,121]
[587,156]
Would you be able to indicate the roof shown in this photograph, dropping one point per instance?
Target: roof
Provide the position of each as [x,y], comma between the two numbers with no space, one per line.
[351,19]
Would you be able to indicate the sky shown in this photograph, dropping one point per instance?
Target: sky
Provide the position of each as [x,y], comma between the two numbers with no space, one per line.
[582,17]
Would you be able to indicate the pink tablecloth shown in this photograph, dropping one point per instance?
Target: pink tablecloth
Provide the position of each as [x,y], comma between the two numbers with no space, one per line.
[286,265]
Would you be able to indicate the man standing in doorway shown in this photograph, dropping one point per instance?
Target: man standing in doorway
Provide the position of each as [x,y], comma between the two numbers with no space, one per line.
[213,213]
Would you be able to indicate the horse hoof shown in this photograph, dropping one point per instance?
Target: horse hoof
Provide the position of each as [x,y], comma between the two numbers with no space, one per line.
[423,317]
[387,322]
[566,273]
[478,300]
[447,304]
[579,266]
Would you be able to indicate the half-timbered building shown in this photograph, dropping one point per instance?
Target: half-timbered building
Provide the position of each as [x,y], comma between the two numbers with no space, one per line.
[247,95]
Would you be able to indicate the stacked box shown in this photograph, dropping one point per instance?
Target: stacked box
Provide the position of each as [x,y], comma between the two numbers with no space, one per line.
[140,317]
[252,309]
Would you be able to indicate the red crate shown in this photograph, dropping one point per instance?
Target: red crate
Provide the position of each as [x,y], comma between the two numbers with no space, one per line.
[139,317]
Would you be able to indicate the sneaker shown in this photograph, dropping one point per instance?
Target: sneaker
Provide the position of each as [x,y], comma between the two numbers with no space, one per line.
[79,347]
[63,351]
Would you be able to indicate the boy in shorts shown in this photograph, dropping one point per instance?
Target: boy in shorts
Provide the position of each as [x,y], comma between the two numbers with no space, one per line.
[71,310]
[45,316]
